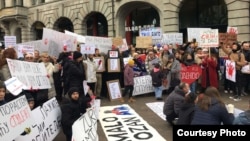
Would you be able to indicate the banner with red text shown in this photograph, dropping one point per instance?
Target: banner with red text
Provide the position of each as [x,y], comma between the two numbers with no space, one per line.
[209,38]
[121,122]
[189,74]
[15,117]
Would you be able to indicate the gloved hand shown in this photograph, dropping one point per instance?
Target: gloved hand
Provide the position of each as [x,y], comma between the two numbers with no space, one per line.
[230,108]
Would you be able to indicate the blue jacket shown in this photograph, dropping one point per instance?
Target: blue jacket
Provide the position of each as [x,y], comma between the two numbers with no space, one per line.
[216,114]
[243,118]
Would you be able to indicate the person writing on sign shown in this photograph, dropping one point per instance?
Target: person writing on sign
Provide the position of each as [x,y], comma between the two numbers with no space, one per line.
[72,110]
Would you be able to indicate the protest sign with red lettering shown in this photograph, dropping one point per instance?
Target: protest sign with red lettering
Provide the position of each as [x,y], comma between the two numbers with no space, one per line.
[15,117]
[190,73]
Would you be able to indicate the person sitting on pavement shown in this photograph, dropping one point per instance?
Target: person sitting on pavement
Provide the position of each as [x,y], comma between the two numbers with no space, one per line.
[174,102]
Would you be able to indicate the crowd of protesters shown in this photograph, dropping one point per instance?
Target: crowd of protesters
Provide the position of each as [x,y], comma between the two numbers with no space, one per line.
[162,62]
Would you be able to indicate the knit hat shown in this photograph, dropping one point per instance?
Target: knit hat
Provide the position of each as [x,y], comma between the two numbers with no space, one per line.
[72,90]
[131,62]
[76,55]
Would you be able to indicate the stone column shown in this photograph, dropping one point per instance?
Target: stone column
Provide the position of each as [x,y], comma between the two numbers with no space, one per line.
[238,16]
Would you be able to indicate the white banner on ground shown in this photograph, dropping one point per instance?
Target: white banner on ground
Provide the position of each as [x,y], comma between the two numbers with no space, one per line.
[57,41]
[47,122]
[32,75]
[103,44]
[121,122]
[15,117]
[85,128]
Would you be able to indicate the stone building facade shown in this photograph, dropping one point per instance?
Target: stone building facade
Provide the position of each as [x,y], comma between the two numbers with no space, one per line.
[24,18]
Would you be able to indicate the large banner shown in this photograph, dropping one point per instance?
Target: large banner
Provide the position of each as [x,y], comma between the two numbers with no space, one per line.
[58,41]
[80,38]
[121,122]
[15,117]
[47,122]
[32,75]
[103,44]
[85,128]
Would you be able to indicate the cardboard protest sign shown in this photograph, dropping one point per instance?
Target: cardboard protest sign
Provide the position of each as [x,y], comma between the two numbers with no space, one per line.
[209,38]
[85,128]
[9,41]
[32,75]
[117,41]
[118,123]
[102,43]
[227,38]
[14,86]
[101,67]
[114,89]
[189,74]
[15,117]
[47,122]
[144,42]
[230,70]
[57,41]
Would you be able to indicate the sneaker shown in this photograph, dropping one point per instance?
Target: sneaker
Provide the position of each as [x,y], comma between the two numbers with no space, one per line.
[244,93]
[230,91]
[225,91]
[237,99]
[232,97]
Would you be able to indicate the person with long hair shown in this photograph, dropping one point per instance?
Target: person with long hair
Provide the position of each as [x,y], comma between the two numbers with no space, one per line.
[211,110]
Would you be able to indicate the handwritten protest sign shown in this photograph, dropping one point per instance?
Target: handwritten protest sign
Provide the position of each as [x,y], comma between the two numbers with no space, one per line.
[118,123]
[101,67]
[189,74]
[9,41]
[143,85]
[143,42]
[194,33]
[32,75]
[154,32]
[14,86]
[232,30]
[87,48]
[117,41]
[114,90]
[15,117]
[24,49]
[172,38]
[209,38]
[227,38]
[47,122]
[85,128]
[57,41]
[103,44]
[40,45]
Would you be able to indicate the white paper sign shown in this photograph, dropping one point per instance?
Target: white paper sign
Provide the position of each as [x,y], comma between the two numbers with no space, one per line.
[194,33]
[85,128]
[40,45]
[155,32]
[33,75]
[209,38]
[172,38]
[230,70]
[15,117]
[87,48]
[14,86]
[47,122]
[21,49]
[80,38]
[85,87]
[9,41]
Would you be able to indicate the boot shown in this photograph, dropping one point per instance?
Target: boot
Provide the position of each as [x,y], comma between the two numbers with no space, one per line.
[122,100]
[131,100]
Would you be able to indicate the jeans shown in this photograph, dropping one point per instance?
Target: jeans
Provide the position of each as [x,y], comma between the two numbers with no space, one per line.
[158,92]
[193,87]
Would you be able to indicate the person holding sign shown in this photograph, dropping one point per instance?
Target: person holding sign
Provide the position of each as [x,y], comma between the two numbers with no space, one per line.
[72,110]
[128,80]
